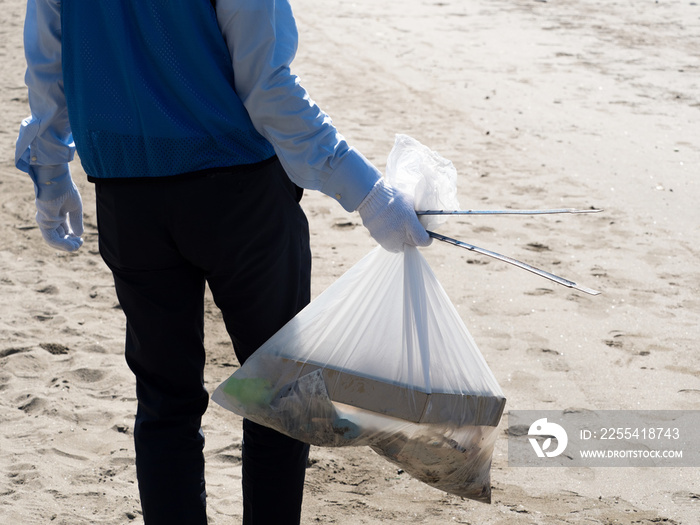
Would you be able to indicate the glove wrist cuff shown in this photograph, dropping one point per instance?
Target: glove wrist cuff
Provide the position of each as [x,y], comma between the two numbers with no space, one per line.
[51,182]
[376,199]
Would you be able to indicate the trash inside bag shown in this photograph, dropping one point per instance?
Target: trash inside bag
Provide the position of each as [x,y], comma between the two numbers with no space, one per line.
[382,359]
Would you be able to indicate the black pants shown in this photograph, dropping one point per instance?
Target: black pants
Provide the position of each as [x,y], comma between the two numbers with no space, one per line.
[244,233]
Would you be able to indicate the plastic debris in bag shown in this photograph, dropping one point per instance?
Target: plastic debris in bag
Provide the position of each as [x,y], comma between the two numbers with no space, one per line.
[382,359]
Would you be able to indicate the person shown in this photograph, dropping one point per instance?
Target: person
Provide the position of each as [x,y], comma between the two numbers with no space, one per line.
[200,140]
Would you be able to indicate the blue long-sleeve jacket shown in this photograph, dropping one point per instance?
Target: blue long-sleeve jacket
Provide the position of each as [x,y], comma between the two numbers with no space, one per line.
[260,38]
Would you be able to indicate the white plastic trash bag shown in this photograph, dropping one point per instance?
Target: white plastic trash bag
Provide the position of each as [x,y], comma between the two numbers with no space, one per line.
[382,358]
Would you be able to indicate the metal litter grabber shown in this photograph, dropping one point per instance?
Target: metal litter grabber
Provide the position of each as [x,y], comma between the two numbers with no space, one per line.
[506,212]
[505,258]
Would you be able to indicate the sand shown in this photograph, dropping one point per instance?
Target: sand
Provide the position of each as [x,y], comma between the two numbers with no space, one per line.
[538,104]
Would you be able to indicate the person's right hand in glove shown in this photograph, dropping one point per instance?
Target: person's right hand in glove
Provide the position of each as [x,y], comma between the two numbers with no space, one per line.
[389,216]
[59,207]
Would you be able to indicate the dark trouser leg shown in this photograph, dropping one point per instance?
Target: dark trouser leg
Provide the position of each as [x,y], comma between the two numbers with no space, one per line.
[274,466]
[258,295]
[162,297]
[167,358]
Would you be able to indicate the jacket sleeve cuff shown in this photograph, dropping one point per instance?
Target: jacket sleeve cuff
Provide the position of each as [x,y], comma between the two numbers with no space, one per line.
[30,150]
[27,133]
[351,180]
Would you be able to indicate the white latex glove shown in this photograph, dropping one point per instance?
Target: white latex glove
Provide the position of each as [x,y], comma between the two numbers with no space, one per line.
[59,208]
[389,216]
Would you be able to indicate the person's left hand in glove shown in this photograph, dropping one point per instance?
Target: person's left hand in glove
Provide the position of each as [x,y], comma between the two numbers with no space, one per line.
[59,207]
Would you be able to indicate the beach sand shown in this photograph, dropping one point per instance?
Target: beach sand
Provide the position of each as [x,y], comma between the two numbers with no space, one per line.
[539,104]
